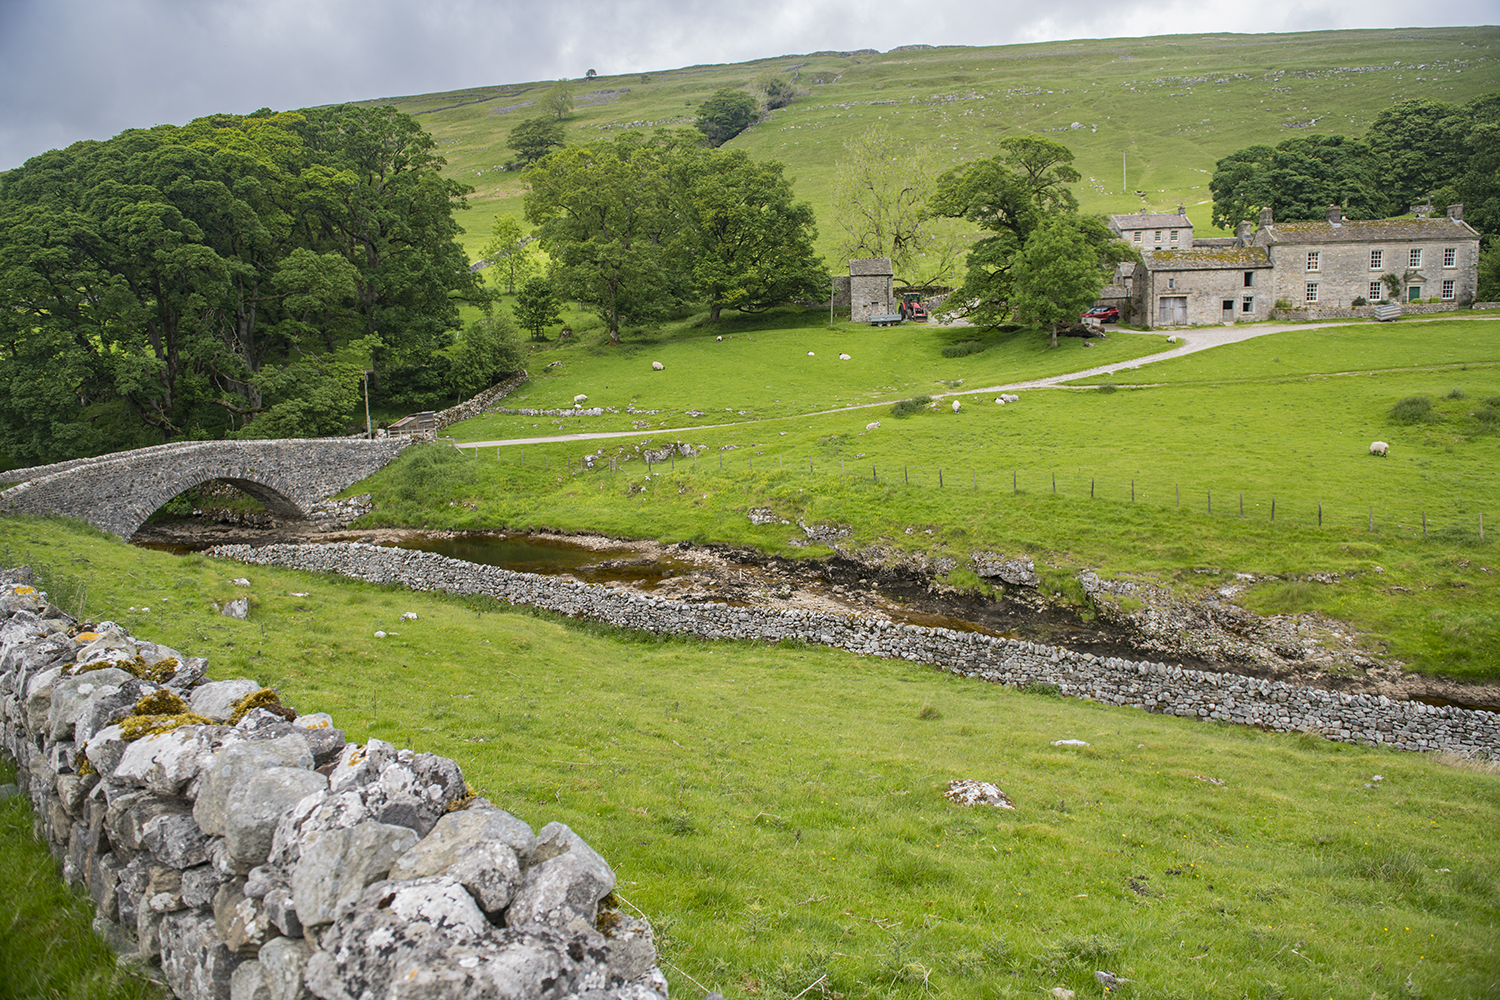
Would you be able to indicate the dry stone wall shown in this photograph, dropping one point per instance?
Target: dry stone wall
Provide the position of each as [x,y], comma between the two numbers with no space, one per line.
[1156,687]
[251,853]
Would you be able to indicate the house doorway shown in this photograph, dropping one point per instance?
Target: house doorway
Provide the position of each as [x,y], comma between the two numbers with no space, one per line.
[1172,310]
[1228,310]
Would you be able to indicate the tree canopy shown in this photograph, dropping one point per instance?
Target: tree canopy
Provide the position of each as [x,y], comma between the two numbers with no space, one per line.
[639,224]
[882,194]
[1017,197]
[558,100]
[726,114]
[534,138]
[197,280]
[1414,151]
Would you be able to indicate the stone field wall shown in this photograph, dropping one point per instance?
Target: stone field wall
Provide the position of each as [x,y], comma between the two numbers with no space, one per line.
[246,852]
[1156,687]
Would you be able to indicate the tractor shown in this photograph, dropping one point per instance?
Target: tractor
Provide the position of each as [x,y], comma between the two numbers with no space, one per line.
[913,308]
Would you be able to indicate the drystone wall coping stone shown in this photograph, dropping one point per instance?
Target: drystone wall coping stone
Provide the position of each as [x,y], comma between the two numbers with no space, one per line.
[1157,687]
[219,853]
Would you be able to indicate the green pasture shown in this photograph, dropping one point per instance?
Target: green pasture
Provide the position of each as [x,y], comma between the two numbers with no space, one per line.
[777,811]
[1249,458]
[781,363]
[1153,114]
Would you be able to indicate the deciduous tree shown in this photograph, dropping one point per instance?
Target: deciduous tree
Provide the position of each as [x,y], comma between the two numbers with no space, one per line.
[725,114]
[510,254]
[534,138]
[537,308]
[882,188]
[558,100]
[1056,275]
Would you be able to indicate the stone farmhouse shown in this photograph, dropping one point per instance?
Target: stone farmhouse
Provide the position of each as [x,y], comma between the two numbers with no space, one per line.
[1335,268]
[1154,231]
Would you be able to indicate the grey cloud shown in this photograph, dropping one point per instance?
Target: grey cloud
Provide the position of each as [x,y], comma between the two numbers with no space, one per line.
[76,69]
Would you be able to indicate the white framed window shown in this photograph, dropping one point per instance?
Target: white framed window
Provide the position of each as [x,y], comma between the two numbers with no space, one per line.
[1311,294]
[1377,259]
[1158,236]
[1312,260]
[1247,304]
[1448,288]
[1137,235]
[1414,257]
[1377,292]
[1450,256]
[1174,236]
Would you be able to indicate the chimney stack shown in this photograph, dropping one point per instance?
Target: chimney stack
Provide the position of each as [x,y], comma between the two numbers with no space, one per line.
[1265,218]
[1243,232]
[1456,211]
[1182,211]
[1335,214]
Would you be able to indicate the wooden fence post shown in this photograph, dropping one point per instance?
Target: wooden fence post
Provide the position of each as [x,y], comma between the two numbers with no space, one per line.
[874,476]
[905,475]
[1091,487]
[1054,484]
[1481,526]
[1013,481]
[1210,500]
[1273,508]
[1242,503]
[1132,489]
[1178,489]
[940,476]
[1372,517]
[1424,524]
[1320,513]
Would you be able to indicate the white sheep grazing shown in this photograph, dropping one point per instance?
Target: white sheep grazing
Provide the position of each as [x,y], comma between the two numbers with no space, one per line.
[657,366]
[719,340]
[957,406]
[1379,448]
[999,401]
[843,357]
[810,354]
[580,399]
[873,427]
[1009,397]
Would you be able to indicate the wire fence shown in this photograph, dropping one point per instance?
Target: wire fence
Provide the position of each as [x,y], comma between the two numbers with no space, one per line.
[1300,507]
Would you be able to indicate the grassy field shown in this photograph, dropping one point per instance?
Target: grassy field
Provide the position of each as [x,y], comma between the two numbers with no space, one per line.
[46,946]
[1175,473]
[1152,115]
[777,810]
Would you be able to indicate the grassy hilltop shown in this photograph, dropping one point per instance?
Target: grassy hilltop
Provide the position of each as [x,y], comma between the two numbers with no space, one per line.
[1171,105]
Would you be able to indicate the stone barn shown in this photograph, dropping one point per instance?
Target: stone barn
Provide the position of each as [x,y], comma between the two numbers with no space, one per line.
[871,288]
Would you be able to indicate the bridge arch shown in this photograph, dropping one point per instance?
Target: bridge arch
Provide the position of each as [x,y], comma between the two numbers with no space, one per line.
[118,492]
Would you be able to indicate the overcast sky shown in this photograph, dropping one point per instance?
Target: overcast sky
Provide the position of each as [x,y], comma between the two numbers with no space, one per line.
[87,69]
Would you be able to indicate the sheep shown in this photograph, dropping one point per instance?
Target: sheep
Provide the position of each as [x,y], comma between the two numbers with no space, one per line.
[873,427]
[1379,448]
[580,399]
[999,401]
[957,406]
[843,357]
[1008,397]
[657,366]
[810,354]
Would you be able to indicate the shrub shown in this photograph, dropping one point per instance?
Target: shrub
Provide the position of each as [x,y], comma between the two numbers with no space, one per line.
[1109,387]
[1456,393]
[1413,410]
[907,407]
[1489,419]
[962,349]
[1359,300]
[1282,304]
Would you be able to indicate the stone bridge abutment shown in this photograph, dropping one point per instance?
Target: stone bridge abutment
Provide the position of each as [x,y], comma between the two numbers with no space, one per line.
[118,492]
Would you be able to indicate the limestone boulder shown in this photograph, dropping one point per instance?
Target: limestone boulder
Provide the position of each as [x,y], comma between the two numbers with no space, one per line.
[106,706]
[215,700]
[481,848]
[255,806]
[39,698]
[164,763]
[284,961]
[70,693]
[194,962]
[430,938]
[337,865]
[105,749]
[564,884]
[238,762]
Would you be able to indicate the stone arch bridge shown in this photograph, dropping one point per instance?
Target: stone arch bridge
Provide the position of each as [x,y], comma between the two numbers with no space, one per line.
[117,492]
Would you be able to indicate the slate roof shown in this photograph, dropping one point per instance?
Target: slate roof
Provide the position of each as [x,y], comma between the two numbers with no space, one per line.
[877,267]
[1136,220]
[1368,231]
[1207,259]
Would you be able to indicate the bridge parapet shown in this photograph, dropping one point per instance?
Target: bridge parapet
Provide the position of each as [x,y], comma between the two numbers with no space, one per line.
[117,492]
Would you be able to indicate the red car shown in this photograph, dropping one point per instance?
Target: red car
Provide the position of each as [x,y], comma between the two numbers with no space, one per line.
[1104,314]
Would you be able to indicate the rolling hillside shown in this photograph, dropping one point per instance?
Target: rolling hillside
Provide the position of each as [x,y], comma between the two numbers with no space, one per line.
[1161,109]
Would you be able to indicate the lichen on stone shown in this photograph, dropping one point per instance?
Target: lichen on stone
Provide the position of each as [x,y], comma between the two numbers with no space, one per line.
[159,712]
[83,766]
[266,698]
[134,727]
[463,801]
[159,672]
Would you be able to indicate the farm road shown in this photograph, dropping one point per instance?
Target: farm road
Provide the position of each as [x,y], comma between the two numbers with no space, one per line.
[1193,340]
